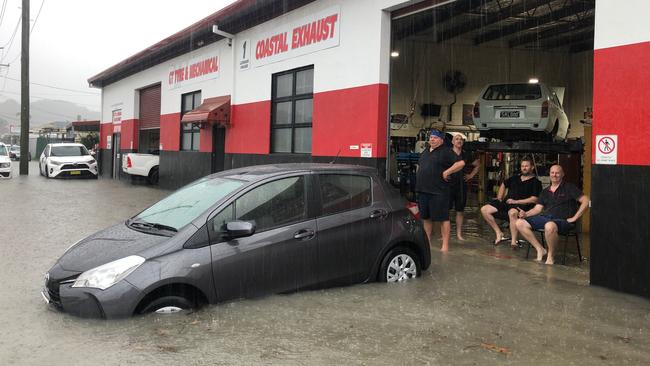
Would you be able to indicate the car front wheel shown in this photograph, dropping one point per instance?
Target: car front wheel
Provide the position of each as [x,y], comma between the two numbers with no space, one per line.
[399,265]
[168,305]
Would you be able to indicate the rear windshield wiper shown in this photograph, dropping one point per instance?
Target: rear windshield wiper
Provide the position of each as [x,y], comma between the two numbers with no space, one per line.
[141,224]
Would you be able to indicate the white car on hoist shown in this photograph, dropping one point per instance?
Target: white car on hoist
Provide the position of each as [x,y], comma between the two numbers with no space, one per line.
[67,160]
[520,112]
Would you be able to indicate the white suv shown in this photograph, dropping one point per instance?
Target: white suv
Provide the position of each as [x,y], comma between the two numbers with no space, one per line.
[520,111]
[5,162]
[67,160]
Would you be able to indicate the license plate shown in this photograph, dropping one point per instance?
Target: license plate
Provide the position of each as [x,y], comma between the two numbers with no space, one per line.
[509,114]
[75,172]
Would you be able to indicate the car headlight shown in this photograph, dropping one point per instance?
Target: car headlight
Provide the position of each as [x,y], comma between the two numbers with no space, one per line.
[54,162]
[92,161]
[5,165]
[107,275]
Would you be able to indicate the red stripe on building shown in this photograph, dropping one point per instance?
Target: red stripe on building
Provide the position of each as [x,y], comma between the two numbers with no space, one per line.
[250,129]
[129,134]
[621,105]
[348,117]
[105,130]
[170,131]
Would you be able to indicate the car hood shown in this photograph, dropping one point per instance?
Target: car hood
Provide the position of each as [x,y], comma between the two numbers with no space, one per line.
[110,244]
[72,159]
[4,159]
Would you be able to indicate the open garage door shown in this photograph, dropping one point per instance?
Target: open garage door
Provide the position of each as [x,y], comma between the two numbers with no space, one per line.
[514,77]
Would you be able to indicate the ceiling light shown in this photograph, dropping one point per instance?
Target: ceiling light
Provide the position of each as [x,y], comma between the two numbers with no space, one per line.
[533,80]
[394,54]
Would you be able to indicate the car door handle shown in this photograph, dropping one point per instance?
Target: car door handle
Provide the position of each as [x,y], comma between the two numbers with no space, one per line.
[304,234]
[378,214]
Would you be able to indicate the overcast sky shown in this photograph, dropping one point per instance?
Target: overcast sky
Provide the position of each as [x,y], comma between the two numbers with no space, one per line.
[73,40]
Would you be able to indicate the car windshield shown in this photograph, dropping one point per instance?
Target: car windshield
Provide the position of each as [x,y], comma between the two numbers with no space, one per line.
[15,148]
[69,151]
[186,204]
[513,92]
[3,150]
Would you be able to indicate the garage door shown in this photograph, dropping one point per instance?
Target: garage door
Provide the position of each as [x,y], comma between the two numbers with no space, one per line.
[150,108]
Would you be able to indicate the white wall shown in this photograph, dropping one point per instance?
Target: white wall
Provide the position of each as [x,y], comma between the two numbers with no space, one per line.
[620,24]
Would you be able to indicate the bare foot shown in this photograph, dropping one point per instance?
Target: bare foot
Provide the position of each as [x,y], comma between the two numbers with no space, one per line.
[550,261]
[499,238]
[445,248]
[540,255]
[460,238]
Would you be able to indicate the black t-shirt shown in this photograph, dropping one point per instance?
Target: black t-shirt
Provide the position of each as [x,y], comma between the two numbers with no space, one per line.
[458,179]
[430,168]
[562,203]
[520,190]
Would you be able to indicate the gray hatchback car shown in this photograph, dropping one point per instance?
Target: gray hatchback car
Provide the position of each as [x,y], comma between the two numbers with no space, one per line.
[243,233]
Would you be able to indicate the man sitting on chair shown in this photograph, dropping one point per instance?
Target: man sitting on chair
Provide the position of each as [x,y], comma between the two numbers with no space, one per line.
[555,212]
[523,190]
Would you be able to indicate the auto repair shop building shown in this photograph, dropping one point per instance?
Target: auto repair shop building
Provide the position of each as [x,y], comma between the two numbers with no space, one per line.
[310,81]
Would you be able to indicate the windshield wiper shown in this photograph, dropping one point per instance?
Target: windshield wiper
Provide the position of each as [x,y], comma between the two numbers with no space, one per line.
[141,224]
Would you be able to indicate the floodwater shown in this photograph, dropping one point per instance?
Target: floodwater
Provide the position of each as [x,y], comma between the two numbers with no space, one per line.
[477,305]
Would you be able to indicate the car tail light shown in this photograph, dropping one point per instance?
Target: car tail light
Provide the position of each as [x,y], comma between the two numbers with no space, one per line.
[545,109]
[413,210]
[477,111]
[128,162]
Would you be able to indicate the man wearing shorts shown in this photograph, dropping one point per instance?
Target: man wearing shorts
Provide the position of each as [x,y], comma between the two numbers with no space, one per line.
[435,167]
[523,190]
[555,212]
[458,181]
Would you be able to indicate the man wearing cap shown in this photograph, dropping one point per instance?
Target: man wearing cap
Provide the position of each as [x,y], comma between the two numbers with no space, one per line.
[436,165]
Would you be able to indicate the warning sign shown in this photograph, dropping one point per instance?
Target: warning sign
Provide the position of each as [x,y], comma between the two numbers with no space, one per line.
[366,150]
[606,149]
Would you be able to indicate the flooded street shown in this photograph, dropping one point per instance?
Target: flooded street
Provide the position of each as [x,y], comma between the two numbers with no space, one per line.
[476,305]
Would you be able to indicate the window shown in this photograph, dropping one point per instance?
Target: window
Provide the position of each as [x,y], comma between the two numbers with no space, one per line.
[190,132]
[291,114]
[218,224]
[513,92]
[274,204]
[344,192]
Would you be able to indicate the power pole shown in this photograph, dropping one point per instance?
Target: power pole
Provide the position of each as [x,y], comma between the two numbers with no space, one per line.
[24,92]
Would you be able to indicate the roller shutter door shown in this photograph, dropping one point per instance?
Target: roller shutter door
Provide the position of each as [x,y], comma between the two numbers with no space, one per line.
[150,108]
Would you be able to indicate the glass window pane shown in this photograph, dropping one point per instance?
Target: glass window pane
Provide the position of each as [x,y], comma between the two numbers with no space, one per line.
[273,204]
[187,103]
[283,113]
[195,140]
[284,85]
[344,192]
[217,225]
[186,126]
[305,81]
[281,140]
[186,141]
[304,109]
[303,140]
[197,100]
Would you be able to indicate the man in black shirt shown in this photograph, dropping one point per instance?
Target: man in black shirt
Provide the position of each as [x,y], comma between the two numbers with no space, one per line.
[437,163]
[458,181]
[523,190]
[555,212]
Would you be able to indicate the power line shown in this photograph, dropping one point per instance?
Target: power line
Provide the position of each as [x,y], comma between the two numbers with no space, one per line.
[8,45]
[32,96]
[36,19]
[56,87]
[2,12]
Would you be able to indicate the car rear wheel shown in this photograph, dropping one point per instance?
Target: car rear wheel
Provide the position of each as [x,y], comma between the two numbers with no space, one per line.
[153,176]
[399,265]
[168,305]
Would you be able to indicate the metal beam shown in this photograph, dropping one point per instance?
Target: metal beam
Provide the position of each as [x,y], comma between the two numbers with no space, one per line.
[552,32]
[490,18]
[439,15]
[565,41]
[563,147]
[530,23]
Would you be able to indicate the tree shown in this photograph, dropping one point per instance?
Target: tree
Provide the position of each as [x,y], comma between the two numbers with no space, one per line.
[90,140]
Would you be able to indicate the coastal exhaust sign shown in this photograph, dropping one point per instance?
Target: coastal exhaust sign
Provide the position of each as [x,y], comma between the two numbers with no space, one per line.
[307,35]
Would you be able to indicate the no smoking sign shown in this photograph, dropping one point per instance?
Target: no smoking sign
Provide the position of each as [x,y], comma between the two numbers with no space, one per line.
[606,149]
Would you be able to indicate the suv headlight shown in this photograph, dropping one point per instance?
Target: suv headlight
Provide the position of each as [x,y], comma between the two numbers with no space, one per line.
[54,162]
[107,275]
[5,165]
[92,161]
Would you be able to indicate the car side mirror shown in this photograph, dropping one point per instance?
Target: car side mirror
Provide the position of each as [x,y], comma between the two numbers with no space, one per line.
[239,229]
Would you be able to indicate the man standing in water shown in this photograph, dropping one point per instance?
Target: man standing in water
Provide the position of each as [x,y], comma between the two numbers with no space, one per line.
[436,165]
[458,182]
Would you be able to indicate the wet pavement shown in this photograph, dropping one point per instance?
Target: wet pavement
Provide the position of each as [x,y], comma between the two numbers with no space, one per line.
[477,305]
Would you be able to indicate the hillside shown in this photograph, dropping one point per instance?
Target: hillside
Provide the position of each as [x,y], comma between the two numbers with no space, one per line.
[43,111]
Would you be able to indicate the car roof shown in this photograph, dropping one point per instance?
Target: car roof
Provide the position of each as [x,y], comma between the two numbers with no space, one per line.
[261,172]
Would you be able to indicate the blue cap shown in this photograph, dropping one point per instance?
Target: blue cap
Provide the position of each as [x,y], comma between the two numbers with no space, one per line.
[437,134]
